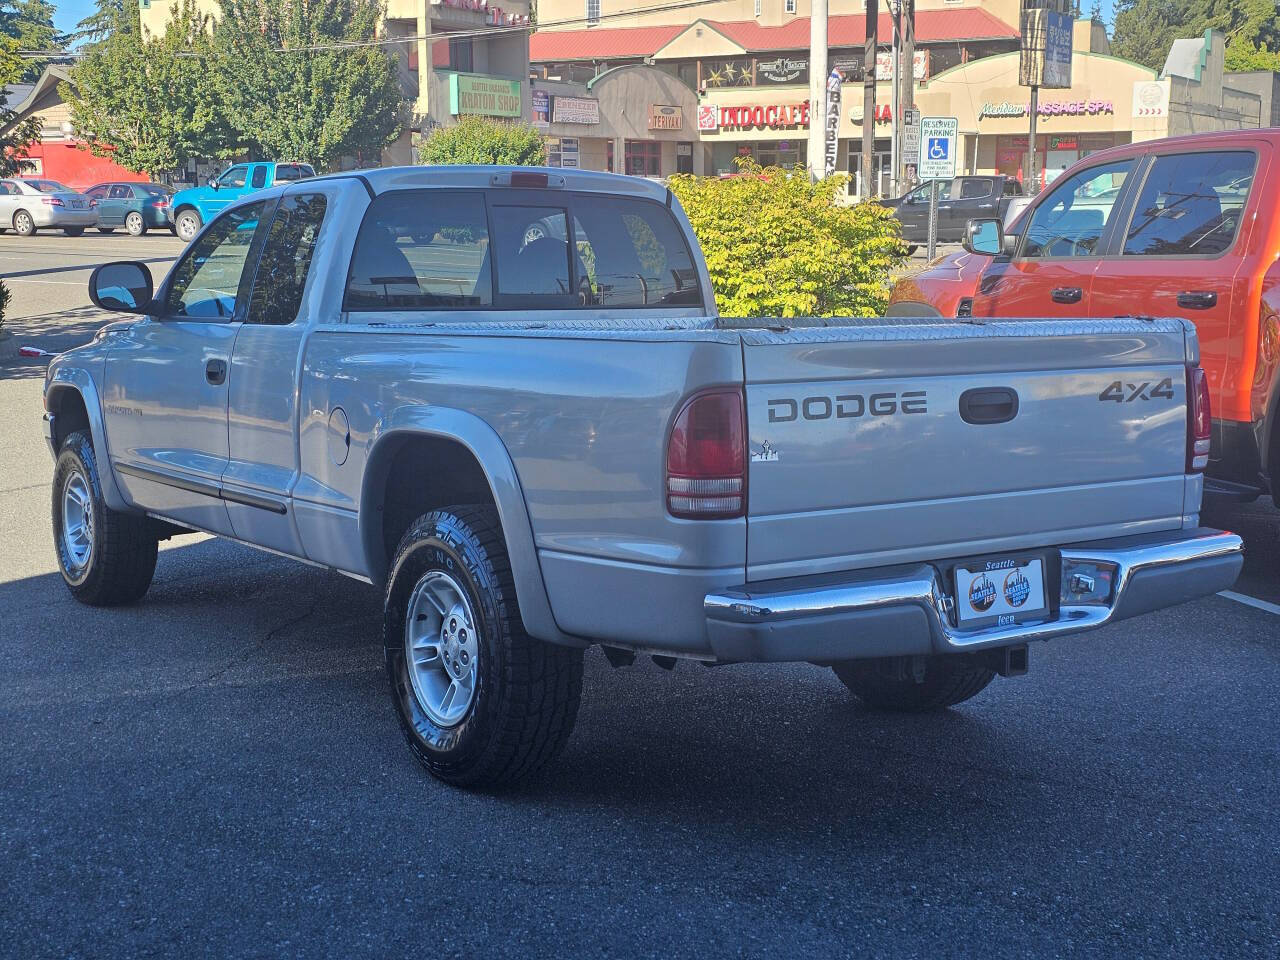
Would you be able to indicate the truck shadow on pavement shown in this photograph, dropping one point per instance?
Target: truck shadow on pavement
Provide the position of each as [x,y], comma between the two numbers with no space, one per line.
[55,331]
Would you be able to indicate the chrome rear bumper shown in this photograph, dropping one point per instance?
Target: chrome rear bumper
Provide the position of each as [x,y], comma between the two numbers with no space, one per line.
[907,610]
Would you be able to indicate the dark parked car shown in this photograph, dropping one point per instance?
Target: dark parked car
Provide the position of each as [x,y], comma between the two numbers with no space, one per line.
[959,201]
[135,206]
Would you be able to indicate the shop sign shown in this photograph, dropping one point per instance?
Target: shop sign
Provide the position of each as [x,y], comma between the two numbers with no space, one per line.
[663,116]
[575,110]
[1047,108]
[708,117]
[832,130]
[1151,98]
[883,114]
[684,149]
[851,66]
[541,108]
[473,93]
[783,70]
[773,116]
[1064,143]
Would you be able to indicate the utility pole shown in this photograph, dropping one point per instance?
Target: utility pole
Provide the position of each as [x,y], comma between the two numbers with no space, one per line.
[869,100]
[895,16]
[1032,178]
[817,149]
[907,98]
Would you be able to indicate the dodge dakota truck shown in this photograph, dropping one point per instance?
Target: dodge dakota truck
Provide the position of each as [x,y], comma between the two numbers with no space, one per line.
[505,398]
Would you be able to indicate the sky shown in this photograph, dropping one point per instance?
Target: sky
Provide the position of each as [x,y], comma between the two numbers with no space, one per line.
[70,12]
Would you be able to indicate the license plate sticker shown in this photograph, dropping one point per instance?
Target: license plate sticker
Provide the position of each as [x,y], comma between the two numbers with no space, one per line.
[1000,591]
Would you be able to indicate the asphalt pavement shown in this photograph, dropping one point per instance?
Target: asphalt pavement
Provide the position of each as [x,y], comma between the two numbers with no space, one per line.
[218,771]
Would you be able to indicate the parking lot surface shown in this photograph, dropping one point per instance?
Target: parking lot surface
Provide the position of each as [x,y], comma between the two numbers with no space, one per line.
[218,771]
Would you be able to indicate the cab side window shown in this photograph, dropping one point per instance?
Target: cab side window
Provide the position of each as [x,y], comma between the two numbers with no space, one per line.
[1071,220]
[259,178]
[206,282]
[234,177]
[975,189]
[286,259]
[1191,204]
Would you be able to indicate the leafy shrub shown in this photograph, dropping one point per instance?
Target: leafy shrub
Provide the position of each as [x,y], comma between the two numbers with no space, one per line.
[5,295]
[480,140]
[777,244]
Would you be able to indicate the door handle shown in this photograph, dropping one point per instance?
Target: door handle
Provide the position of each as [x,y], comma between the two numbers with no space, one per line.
[1197,299]
[983,405]
[215,371]
[1067,294]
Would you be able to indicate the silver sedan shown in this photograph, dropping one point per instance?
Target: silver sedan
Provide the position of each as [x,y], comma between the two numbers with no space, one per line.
[27,205]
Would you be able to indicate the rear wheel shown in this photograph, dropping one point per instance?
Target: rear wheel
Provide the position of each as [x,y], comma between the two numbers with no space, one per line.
[187,225]
[73,231]
[914,684]
[135,224]
[479,700]
[23,225]
[106,557]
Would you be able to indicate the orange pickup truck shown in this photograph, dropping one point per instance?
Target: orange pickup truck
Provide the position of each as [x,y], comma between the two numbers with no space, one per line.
[1189,227]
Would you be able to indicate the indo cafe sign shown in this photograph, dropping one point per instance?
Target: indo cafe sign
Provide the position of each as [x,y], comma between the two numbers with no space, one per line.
[753,116]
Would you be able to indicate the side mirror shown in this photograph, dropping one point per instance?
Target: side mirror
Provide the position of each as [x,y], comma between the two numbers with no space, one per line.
[124,287]
[985,237]
[213,183]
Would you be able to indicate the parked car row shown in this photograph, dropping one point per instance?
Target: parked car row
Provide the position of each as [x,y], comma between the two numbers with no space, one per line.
[31,204]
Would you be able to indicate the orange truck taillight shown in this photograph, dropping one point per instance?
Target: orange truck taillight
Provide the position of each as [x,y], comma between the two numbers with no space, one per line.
[1199,420]
[706,458]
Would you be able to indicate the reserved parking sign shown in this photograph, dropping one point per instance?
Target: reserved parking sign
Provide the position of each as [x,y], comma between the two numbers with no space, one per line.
[938,136]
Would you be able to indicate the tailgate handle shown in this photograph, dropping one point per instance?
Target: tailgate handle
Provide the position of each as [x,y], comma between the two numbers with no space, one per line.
[1198,299]
[983,405]
[1067,294]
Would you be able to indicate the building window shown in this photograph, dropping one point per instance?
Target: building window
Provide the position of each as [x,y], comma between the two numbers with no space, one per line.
[593,12]
[789,6]
[460,57]
[644,158]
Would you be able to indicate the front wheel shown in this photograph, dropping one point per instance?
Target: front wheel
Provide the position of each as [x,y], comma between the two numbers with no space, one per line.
[106,557]
[914,685]
[479,700]
[135,224]
[187,225]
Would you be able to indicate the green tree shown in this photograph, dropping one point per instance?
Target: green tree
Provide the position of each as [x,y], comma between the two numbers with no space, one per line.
[150,104]
[1145,29]
[298,85]
[481,140]
[14,136]
[778,245]
[108,16]
[30,22]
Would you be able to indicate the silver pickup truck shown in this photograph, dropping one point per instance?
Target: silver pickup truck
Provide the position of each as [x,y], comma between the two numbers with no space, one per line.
[504,398]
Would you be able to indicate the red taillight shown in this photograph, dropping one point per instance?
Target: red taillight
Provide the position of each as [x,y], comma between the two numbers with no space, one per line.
[1199,420]
[161,202]
[706,458]
[52,201]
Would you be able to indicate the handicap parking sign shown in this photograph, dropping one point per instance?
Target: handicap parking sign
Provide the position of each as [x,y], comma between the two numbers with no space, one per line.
[938,147]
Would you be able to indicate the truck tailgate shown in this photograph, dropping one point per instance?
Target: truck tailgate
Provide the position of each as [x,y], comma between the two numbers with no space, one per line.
[875,443]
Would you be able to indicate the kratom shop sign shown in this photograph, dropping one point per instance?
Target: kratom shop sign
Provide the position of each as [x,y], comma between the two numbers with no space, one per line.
[473,93]
[1047,108]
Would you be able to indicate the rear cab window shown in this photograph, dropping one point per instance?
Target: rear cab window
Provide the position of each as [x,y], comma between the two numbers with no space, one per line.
[1191,204]
[445,249]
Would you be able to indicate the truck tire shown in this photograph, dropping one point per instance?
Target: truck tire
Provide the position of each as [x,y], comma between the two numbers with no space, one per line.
[106,557]
[947,681]
[480,701]
[187,225]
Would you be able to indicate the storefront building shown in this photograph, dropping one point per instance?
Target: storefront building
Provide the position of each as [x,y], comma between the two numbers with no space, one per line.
[634,119]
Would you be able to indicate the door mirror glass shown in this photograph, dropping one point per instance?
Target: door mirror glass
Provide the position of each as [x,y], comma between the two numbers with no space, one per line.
[984,236]
[124,287]
[213,183]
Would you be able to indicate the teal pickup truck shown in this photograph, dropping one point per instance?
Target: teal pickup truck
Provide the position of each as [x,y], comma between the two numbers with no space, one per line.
[193,208]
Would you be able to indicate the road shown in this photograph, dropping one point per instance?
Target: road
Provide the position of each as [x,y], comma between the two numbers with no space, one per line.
[218,772]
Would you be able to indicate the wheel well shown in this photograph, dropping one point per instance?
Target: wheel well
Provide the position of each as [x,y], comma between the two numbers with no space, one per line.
[410,476]
[71,413]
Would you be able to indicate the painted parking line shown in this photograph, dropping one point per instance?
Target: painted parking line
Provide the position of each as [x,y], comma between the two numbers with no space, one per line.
[1250,601]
